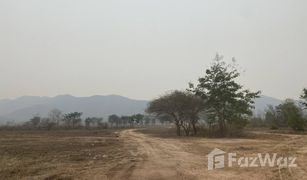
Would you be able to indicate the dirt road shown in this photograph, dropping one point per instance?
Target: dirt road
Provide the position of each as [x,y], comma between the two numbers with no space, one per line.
[173,158]
[157,158]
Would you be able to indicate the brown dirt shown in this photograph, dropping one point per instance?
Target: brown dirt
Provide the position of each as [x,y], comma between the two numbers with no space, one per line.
[139,154]
[158,157]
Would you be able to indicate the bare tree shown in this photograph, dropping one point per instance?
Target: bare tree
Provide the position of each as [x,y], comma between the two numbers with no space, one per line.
[55,116]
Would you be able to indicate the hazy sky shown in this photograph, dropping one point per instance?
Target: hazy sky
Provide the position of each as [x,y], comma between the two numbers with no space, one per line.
[142,48]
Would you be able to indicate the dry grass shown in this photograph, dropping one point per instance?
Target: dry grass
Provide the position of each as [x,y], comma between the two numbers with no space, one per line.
[284,143]
[58,154]
[139,154]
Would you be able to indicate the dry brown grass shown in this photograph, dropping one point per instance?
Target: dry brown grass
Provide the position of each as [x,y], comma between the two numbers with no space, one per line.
[139,154]
[59,154]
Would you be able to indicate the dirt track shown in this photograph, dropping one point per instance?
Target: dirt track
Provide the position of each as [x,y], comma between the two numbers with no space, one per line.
[173,158]
[158,159]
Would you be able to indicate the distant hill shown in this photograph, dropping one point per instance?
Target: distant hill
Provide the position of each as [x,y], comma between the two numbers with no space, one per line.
[23,108]
[263,102]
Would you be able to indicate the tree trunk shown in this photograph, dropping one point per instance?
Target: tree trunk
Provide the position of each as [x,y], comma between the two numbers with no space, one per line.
[178,129]
[187,131]
[186,127]
[194,128]
[222,127]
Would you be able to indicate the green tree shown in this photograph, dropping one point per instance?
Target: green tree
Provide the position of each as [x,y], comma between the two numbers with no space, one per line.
[72,120]
[99,123]
[138,118]
[114,119]
[228,104]
[35,121]
[90,122]
[183,107]
[292,114]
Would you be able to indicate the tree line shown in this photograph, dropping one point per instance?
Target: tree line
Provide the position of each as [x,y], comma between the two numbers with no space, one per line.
[289,114]
[57,119]
[136,120]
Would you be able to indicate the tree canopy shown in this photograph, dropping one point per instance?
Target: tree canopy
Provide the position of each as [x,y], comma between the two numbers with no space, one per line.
[183,107]
[228,104]
[292,114]
[72,120]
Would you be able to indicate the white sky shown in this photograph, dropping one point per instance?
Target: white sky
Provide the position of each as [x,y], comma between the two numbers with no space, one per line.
[142,48]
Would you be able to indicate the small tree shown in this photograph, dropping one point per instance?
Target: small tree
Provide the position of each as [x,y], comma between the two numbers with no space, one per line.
[113,119]
[271,117]
[183,107]
[228,104]
[100,123]
[89,122]
[72,120]
[55,116]
[35,121]
[292,114]
[138,118]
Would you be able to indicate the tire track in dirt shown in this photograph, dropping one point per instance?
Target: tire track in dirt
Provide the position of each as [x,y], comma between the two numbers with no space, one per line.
[159,159]
[165,158]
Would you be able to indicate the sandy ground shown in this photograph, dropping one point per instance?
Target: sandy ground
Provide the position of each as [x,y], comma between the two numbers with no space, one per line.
[139,155]
[185,158]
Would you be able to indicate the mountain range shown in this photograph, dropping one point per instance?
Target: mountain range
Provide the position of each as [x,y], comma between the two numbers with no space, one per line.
[23,108]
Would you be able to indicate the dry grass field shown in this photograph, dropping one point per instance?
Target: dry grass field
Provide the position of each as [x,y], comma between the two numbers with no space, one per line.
[140,154]
[76,154]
